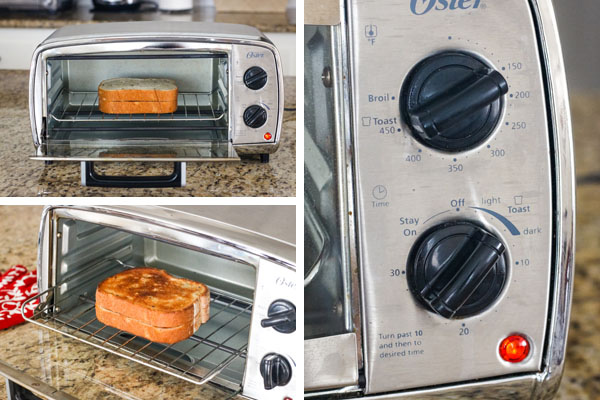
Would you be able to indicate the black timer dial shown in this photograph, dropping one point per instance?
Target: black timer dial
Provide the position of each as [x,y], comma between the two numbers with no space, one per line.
[457,269]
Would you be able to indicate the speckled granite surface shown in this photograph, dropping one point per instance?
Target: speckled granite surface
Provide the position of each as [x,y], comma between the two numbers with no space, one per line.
[82,14]
[20,176]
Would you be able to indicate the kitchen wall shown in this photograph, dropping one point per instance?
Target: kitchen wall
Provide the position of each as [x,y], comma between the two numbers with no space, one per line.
[17,46]
[252,5]
[20,33]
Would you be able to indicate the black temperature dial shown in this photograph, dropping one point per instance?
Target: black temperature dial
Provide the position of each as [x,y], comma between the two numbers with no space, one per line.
[275,370]
[255,78]
[457,269]
[453,101]
[281,317]
[255,116]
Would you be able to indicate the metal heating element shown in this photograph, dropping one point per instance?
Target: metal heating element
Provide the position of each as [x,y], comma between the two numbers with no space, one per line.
[218,344]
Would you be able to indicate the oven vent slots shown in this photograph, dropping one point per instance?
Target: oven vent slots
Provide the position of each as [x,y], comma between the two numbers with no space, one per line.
[216,352]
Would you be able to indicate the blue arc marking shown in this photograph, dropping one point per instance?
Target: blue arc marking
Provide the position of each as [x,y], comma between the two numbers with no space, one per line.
[511,227]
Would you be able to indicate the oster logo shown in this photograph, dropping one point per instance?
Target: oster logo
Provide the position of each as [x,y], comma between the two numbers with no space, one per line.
[422,7]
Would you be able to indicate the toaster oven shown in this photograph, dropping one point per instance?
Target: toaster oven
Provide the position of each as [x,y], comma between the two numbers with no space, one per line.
[439,192]
[229,102]
[245,255]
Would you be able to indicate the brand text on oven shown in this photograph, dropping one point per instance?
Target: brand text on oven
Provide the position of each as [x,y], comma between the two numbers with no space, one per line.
[421,7]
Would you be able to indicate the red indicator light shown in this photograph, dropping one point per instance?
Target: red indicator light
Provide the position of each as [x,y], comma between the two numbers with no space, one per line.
[514,348]
[268,136]
[287,398]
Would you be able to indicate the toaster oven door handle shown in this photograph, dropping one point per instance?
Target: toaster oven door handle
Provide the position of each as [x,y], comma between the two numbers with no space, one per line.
[89,177]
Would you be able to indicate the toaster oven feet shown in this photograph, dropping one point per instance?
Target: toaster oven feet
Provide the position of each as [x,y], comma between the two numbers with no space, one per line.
[264,158]
[89,177]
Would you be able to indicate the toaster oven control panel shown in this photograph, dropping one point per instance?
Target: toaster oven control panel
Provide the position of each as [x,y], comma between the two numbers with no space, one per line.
[256,100]
[454,188]
[272,363]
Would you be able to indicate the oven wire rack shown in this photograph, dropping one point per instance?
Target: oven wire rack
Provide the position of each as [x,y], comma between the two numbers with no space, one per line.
[49,314]
[83,107]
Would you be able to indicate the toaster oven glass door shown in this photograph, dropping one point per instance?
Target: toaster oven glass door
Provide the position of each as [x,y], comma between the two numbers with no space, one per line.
[199,128]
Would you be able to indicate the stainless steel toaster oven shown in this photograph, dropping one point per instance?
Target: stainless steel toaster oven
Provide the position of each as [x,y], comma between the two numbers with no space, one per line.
[229,103]
[244,254]
[439,191]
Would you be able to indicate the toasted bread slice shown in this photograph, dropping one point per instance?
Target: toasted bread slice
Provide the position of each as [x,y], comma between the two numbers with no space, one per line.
[152,333]
[137,96]
[155,298]
[137,89]
[138,107]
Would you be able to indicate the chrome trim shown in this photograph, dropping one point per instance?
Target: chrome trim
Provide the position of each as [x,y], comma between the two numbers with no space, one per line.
[330,362]
[231,241]
[234,158]
[498,389]
[36,386]
[339,68]
[345,101]
[183,174]
[267,148]
[44,249]
[548,380]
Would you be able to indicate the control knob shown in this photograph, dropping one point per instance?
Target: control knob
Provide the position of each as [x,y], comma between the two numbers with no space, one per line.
[255,78]
[457,269]
[275,370]
[452,101]
[281,317]
[255,116]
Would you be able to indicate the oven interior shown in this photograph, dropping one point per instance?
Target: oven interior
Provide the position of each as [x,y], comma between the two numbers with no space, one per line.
[87,253]
[198,128]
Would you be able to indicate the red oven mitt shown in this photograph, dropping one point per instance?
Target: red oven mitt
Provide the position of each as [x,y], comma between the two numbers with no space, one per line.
[16,286]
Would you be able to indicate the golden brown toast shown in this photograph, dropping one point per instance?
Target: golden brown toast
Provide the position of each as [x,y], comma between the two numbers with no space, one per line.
[152,333]
[138,107]
[137,96]
[138,89]
[155,298]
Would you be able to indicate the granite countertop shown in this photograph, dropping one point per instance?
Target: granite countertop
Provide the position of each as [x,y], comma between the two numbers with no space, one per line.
[20,176]
[82,13]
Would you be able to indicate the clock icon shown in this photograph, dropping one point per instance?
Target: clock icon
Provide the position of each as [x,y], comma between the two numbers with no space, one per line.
[380,192]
